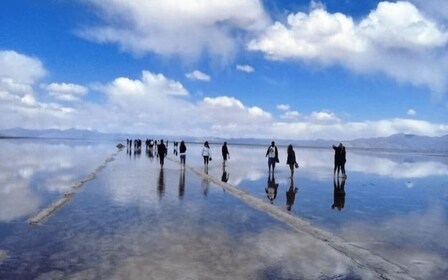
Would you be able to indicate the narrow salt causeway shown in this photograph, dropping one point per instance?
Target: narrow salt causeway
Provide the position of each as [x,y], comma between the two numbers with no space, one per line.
[46,212]
[362,257]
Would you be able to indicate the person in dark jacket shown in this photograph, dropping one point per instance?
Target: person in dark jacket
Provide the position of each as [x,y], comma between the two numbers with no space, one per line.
[225,153]
[291,160]
[162,151]
[182,153]
[339,160]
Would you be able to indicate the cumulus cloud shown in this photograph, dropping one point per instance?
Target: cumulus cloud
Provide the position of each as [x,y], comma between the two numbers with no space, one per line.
[283,107]
[20,68]
[198,75]
[186,28]
[395,39]
[411,112]
[245,68]
[19,105]
[323,117]
[65,91]
[156,104]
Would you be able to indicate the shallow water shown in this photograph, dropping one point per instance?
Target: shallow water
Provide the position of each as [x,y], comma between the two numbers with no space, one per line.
[136,220]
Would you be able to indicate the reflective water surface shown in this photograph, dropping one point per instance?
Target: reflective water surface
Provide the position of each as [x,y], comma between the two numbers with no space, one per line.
[136,220]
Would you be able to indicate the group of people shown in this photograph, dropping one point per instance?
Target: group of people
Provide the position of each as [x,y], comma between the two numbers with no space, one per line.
[339,160]
[272,154]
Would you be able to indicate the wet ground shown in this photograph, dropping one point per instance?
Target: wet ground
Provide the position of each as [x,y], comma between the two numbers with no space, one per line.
[135,220]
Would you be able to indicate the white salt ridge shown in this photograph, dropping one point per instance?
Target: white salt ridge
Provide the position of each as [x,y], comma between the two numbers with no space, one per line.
[362,257]
[45,213]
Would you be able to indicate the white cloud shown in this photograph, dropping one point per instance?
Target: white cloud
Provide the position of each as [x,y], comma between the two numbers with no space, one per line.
[170,27]
[20,68]
[411,112]
[290,115]
[156,104]
[323,117]
[283,107]
[198,75]
[395,39]
[65,91]
[245,68]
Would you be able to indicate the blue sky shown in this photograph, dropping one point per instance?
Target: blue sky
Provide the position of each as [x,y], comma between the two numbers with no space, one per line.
[238,68]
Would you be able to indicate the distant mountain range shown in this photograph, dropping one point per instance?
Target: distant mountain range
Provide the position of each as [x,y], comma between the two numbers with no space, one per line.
[408,142]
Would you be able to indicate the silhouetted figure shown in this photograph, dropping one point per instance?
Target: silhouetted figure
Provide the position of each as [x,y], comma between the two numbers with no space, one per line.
[183,153]
[291,195]
[161,150]
[271,189]
[338,194]
[206,153]
[272,154]
[182,184]
[343,160]
[339,159]
[291,160]
[225,153]
[161,183]
[225,175]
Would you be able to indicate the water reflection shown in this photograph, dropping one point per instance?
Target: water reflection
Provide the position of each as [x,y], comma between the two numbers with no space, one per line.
[338,193]
[181,183]
[225,175]
[30,178]
[291,194]
[271,189]
[161,183]
[205,184]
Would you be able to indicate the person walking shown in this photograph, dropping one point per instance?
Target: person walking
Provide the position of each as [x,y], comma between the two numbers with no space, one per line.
[182,153]
[162,151]
[206,153]
[272,154]
[225,153]
[291,160]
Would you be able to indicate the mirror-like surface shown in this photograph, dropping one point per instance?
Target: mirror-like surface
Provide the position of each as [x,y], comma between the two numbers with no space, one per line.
[136,220]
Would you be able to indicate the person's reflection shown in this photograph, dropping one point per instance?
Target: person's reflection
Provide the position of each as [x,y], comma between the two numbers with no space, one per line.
[182,183]
[225,175]
[338,194]
[150,153]
[291,195]
[161,183]
[205,184]
[271,189]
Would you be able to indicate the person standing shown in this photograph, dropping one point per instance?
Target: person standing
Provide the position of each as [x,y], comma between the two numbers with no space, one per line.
[343,160]
[206,153]
[162,151]
[182,153]
[291,160]
[272,154]
[337,158]
[225,153]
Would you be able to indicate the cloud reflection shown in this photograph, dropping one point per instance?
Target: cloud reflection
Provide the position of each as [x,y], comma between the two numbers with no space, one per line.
[39,169]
